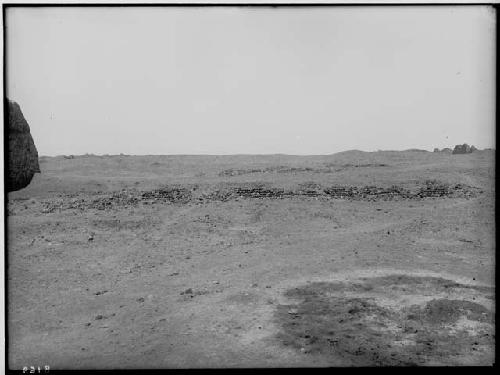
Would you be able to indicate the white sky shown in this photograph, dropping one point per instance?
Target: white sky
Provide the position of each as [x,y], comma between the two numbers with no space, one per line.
[252,80]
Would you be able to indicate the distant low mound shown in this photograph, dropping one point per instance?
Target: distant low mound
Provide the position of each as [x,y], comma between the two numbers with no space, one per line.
[416,150]
[23,155]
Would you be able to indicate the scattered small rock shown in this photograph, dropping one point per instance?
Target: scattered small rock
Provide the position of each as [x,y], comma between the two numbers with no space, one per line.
[140,299]
[187,291]
[99,317]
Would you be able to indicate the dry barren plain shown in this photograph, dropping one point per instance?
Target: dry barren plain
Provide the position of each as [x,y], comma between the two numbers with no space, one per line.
[352,259]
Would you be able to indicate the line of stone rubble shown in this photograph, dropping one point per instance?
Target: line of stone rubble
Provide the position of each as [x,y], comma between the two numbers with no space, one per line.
[184,195]
[327,168]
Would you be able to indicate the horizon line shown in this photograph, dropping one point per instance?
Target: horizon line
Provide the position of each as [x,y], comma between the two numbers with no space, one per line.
[250,154]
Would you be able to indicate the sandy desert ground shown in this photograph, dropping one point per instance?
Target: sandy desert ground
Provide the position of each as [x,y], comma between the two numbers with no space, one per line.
[351,259]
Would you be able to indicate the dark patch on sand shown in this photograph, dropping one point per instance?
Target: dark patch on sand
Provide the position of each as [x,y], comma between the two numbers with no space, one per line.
[347,323]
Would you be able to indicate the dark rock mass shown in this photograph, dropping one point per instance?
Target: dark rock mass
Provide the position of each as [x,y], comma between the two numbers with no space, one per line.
[22,153]
[464,149]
